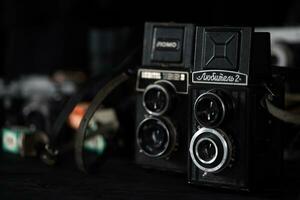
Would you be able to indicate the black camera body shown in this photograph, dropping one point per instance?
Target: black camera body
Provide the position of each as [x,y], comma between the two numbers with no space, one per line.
[162,110]
[200,106]
[233,141]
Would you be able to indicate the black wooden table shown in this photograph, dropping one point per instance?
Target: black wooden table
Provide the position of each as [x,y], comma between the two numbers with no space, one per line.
[117,179]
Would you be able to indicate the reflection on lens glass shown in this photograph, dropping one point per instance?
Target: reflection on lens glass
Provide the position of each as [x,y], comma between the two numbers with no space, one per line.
[206,150]
[153,137]
[209,110]
[210,150]
[155,100]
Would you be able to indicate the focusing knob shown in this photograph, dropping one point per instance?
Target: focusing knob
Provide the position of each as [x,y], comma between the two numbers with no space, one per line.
[158,98]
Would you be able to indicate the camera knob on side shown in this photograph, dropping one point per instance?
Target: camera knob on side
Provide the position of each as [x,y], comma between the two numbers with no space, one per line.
[159,97]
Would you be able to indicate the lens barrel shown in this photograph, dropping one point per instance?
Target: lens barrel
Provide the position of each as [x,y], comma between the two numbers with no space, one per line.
[158,98]
[210,150]
[156,137]
[211,108]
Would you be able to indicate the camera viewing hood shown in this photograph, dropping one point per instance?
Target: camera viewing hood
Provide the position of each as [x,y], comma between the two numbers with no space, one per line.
[225,55]
[168,44]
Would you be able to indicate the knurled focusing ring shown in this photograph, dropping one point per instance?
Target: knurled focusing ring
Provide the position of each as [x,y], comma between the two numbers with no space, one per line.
[216,152]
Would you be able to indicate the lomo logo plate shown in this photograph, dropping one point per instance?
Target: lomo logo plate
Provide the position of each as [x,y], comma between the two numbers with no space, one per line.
[220,77]
[167,45]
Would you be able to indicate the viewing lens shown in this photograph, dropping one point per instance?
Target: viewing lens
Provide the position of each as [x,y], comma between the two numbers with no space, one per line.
[155,100]
[209,110]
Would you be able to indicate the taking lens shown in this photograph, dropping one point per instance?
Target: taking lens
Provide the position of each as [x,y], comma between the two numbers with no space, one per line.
[153,137]
[210,150]
[206,150]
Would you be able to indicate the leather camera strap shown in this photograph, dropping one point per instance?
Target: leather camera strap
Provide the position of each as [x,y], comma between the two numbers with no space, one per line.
[96,102]
[281,114]
[103,82]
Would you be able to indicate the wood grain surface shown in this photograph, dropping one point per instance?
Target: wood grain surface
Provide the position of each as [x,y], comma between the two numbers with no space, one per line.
[117,179]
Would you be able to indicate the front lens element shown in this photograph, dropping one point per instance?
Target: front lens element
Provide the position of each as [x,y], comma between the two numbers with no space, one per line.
[153,137]
[206,150]
[210,150]
[209,110]
[155,100]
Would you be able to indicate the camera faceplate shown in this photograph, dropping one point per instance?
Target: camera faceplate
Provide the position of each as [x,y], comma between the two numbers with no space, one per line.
[163,94]
[251,131]
[231,168]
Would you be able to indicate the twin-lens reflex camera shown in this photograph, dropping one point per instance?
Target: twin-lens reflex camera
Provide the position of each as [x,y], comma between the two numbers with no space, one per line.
[199,106]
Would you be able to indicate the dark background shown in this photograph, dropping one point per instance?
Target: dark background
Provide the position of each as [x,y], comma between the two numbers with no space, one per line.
[42,36]
[94,36]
